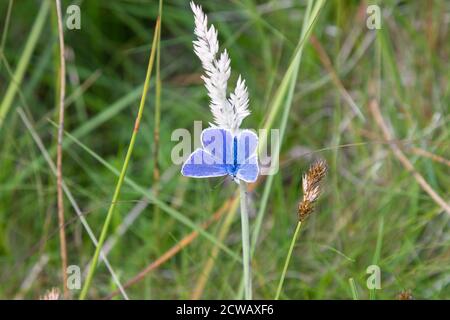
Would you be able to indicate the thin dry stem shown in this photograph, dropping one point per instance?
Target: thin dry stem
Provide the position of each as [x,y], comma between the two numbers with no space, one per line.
[62,92]
[156,133]
[335,78]
[376,113]
[428,154]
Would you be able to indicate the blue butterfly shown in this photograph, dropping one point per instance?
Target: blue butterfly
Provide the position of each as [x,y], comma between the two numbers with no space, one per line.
[224,154]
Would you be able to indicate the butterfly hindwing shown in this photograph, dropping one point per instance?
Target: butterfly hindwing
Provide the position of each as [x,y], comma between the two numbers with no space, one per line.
[247,158]
[249,170]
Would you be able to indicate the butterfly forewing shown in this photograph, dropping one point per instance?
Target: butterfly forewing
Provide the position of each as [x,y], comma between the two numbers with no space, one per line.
[219,143]
[247,141]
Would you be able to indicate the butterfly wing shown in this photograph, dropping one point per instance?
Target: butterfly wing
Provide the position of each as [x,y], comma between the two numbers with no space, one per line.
[247,159]
[201,164]
[249,170]
[218,142]
[247,141]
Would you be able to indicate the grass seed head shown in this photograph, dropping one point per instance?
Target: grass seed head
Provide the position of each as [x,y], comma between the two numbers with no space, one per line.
[311,188]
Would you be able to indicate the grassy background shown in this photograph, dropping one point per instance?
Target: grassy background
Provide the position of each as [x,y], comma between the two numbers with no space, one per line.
[372,210]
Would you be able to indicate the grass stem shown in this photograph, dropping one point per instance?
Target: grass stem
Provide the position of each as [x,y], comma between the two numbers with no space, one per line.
[124,169]
[355,294]
[245,241]
[59,175]
[288,258]
[6,26]
[157,125]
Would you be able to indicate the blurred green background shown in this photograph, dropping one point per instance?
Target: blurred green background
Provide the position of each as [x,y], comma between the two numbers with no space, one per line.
[372,210]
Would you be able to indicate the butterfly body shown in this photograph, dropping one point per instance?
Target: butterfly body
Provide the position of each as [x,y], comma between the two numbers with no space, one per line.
[224,154]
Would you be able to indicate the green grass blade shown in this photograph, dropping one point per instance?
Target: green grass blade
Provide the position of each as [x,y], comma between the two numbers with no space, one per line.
[123,172]
[24,60]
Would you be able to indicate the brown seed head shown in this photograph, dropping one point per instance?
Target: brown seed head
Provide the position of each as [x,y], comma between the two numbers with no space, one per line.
[311,188]
[304,210]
